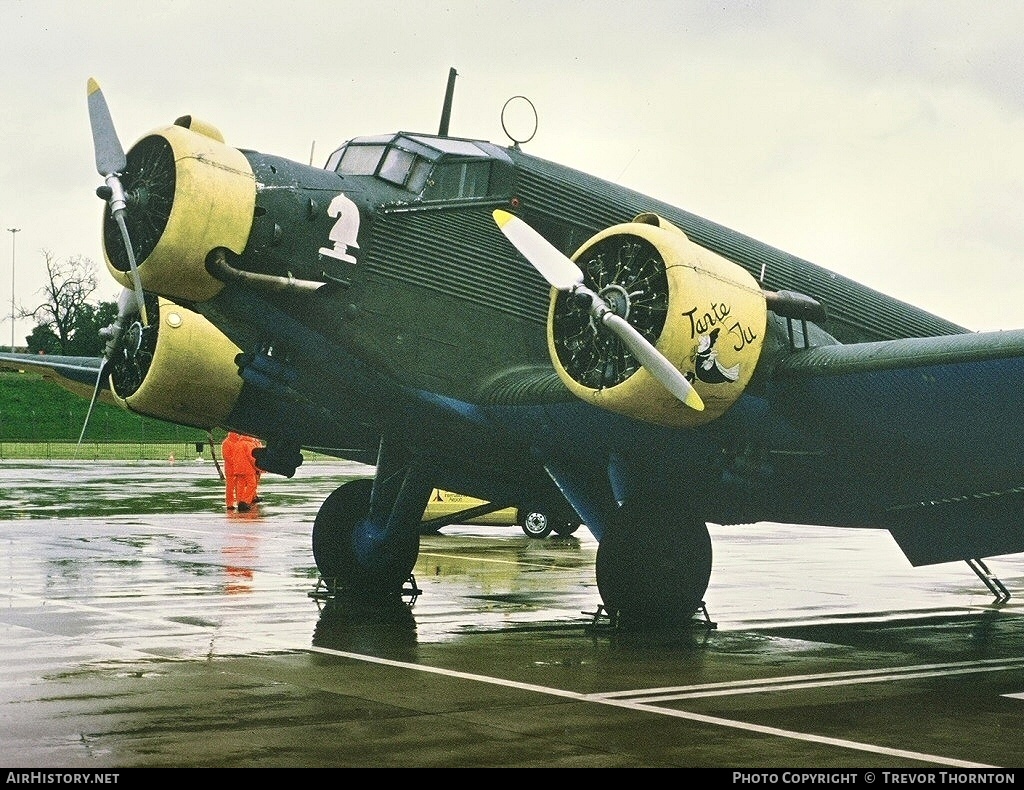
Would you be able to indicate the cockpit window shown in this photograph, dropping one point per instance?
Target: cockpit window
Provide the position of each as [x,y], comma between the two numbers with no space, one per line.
[460,179]
[397,165]
[419,174]
[333,159]
[433,168]
[360,160]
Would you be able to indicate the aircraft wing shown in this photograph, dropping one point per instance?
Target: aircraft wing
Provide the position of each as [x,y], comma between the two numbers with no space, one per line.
[76,374]
[949,403]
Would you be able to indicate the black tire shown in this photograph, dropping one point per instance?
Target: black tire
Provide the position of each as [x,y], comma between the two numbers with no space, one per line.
[566,528]
[535,524]
[652,569]
[382,566]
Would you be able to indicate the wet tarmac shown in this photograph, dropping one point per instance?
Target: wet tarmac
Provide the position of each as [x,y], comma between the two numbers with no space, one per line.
[142,625]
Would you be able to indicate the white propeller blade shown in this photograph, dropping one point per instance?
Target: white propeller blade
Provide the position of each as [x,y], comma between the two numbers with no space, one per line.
[560,272]
[92,403]
[110,157]
[113,335]
[654,361]
[140,299]
[564,275]
[110,162]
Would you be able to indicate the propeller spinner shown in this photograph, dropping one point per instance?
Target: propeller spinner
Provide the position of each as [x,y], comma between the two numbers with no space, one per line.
[564,275]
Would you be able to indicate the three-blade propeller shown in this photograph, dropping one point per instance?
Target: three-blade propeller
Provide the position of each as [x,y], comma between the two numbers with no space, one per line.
[564,275]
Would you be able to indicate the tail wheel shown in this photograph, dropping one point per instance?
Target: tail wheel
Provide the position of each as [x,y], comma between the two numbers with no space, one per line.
[652,569]
[536,524]
[353,551]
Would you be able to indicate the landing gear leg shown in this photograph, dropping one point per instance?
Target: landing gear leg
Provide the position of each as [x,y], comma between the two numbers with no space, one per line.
[995,586]
[366,534]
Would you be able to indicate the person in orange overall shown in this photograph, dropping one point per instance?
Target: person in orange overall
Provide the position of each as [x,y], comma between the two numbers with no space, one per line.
[253,445]
[241,477]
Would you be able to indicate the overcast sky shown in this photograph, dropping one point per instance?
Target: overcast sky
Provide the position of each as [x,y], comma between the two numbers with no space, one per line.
[883,140]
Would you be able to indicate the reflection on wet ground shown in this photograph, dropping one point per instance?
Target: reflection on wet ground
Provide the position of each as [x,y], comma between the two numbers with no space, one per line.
[87,489]
[142,624]
[386,629]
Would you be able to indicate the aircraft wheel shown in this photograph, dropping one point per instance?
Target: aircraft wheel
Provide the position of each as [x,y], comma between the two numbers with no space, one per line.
[653,569]
[350,549]
[566,528]
[536,524]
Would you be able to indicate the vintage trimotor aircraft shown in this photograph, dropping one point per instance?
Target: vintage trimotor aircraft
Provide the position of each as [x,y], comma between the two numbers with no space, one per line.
[467,316]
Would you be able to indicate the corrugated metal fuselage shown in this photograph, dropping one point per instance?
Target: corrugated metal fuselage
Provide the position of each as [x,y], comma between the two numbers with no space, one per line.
[438,298]
[431,299]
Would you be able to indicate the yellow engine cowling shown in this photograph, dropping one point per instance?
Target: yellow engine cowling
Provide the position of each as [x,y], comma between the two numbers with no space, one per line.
[187,193]
[704,313]
[186,376]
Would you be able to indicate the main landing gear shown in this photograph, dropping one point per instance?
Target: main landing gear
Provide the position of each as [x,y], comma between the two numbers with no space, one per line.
[363,546]
[653,567]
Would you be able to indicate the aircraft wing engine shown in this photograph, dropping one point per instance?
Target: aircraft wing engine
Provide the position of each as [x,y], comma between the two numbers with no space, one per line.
[186,193]
[180,368]
[704,313]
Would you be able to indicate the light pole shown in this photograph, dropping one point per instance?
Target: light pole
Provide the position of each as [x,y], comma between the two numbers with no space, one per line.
[13,237]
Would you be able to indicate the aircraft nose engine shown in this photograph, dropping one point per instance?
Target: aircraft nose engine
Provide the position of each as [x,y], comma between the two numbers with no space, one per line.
[186,193]
[705,314]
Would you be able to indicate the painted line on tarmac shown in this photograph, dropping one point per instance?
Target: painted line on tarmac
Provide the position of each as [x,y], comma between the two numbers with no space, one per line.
[609,700]
[823,680]
[598,699]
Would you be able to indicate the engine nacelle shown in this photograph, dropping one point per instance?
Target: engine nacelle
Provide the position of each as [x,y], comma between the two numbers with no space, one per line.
[180,369]
[704,313]
[186,194]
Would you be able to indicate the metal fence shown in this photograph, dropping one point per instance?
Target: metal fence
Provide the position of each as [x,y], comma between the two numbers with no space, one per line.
[170,452]
[105,451]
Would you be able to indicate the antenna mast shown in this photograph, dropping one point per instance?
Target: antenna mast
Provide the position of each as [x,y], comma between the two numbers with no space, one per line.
[446,113]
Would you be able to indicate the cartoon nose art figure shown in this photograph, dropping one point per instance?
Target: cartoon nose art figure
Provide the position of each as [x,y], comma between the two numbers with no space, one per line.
[709,369]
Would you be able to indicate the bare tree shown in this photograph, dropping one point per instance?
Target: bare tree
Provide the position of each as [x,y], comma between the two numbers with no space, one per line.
[70,284]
